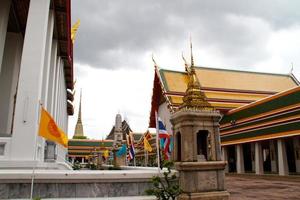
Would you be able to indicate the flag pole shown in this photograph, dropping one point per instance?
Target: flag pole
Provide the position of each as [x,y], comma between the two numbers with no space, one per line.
[34,156]
[157,145]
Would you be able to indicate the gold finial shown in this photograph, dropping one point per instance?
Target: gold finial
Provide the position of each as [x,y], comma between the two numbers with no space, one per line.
[74,30]
[191,46]
[194,98]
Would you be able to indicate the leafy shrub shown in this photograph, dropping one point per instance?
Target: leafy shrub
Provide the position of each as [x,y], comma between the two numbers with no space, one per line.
[167,187]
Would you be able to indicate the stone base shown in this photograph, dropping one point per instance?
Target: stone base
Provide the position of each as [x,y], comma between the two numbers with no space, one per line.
[29,164]
[217,195]
[121,161]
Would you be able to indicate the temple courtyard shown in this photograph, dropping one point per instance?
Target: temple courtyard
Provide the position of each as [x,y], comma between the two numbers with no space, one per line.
[263,187]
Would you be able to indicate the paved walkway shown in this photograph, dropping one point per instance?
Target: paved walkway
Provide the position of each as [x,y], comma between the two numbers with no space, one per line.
[263,188]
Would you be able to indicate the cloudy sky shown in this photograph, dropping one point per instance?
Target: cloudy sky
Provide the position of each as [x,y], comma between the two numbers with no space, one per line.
[116,39]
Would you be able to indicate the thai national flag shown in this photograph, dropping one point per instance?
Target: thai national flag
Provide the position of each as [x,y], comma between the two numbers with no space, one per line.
[164,139]
[162,130]
[130,142]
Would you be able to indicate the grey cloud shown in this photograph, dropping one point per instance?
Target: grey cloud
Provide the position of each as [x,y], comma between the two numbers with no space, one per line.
[116,34]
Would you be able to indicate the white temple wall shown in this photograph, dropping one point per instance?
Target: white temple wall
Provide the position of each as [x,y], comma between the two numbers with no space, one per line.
[9,79]
[165,115]
[27,110]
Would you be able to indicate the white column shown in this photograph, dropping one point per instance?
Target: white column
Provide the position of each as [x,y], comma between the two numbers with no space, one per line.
[239,159]
[282,159]
[259,167]
[55,73]
[82,160]
[47,61]
[9,79]
[296,141]
[56,88]
[4,16]
[225,158]
[59,94]
[273,156]
[52,76]
[26,121]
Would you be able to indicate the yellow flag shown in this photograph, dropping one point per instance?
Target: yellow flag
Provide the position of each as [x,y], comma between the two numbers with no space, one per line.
[147,146]
[50,131]
[106,153]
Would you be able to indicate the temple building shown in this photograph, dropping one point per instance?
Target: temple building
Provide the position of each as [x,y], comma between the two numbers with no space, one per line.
[36,69]
[81,148]
[121,126]
[259,115]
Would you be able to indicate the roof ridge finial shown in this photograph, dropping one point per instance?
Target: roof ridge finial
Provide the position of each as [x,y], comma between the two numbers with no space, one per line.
[155,65]
[185,63]
[191,46]
[292,68]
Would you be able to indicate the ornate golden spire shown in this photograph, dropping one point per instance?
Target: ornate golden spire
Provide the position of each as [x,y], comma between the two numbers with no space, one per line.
[192,58]
[79,128]
[194,98]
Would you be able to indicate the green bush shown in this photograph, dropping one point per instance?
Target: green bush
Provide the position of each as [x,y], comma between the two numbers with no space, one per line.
[167,187]
[76,166]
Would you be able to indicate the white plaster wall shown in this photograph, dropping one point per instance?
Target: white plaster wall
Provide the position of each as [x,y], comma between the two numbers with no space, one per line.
[165,115]
[9,79]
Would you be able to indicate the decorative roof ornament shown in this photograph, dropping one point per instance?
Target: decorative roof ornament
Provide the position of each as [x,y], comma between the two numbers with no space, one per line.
[194,98]
[154,62]
[74,30]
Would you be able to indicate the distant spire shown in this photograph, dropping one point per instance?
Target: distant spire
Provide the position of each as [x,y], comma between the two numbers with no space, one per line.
[79,113]
[79,127]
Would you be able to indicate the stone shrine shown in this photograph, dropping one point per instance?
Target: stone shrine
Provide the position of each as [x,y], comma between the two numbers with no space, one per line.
[118,137]
[197,148]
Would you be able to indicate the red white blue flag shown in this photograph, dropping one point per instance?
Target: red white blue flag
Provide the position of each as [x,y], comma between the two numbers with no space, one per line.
[130,143]
[164,139]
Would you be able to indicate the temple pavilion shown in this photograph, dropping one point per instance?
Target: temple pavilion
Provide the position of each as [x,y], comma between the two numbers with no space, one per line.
[260,115]
[36,69]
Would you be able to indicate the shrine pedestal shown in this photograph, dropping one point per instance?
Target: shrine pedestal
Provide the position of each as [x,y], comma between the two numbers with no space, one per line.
[202,180]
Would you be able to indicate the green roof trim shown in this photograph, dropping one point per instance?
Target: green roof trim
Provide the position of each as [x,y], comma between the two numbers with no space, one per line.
[267,106]
[265,131]
[284,115]
[90,143]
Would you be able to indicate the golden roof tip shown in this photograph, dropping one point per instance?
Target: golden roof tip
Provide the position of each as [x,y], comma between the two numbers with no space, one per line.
[191,46]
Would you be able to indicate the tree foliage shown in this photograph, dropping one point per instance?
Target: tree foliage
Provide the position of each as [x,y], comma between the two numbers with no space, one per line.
[167,187]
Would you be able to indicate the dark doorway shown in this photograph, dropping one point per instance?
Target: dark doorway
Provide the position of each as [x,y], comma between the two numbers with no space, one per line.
[202,143]
[247,157]
[178,135]
[265,145]
[290,155]
[231,158]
